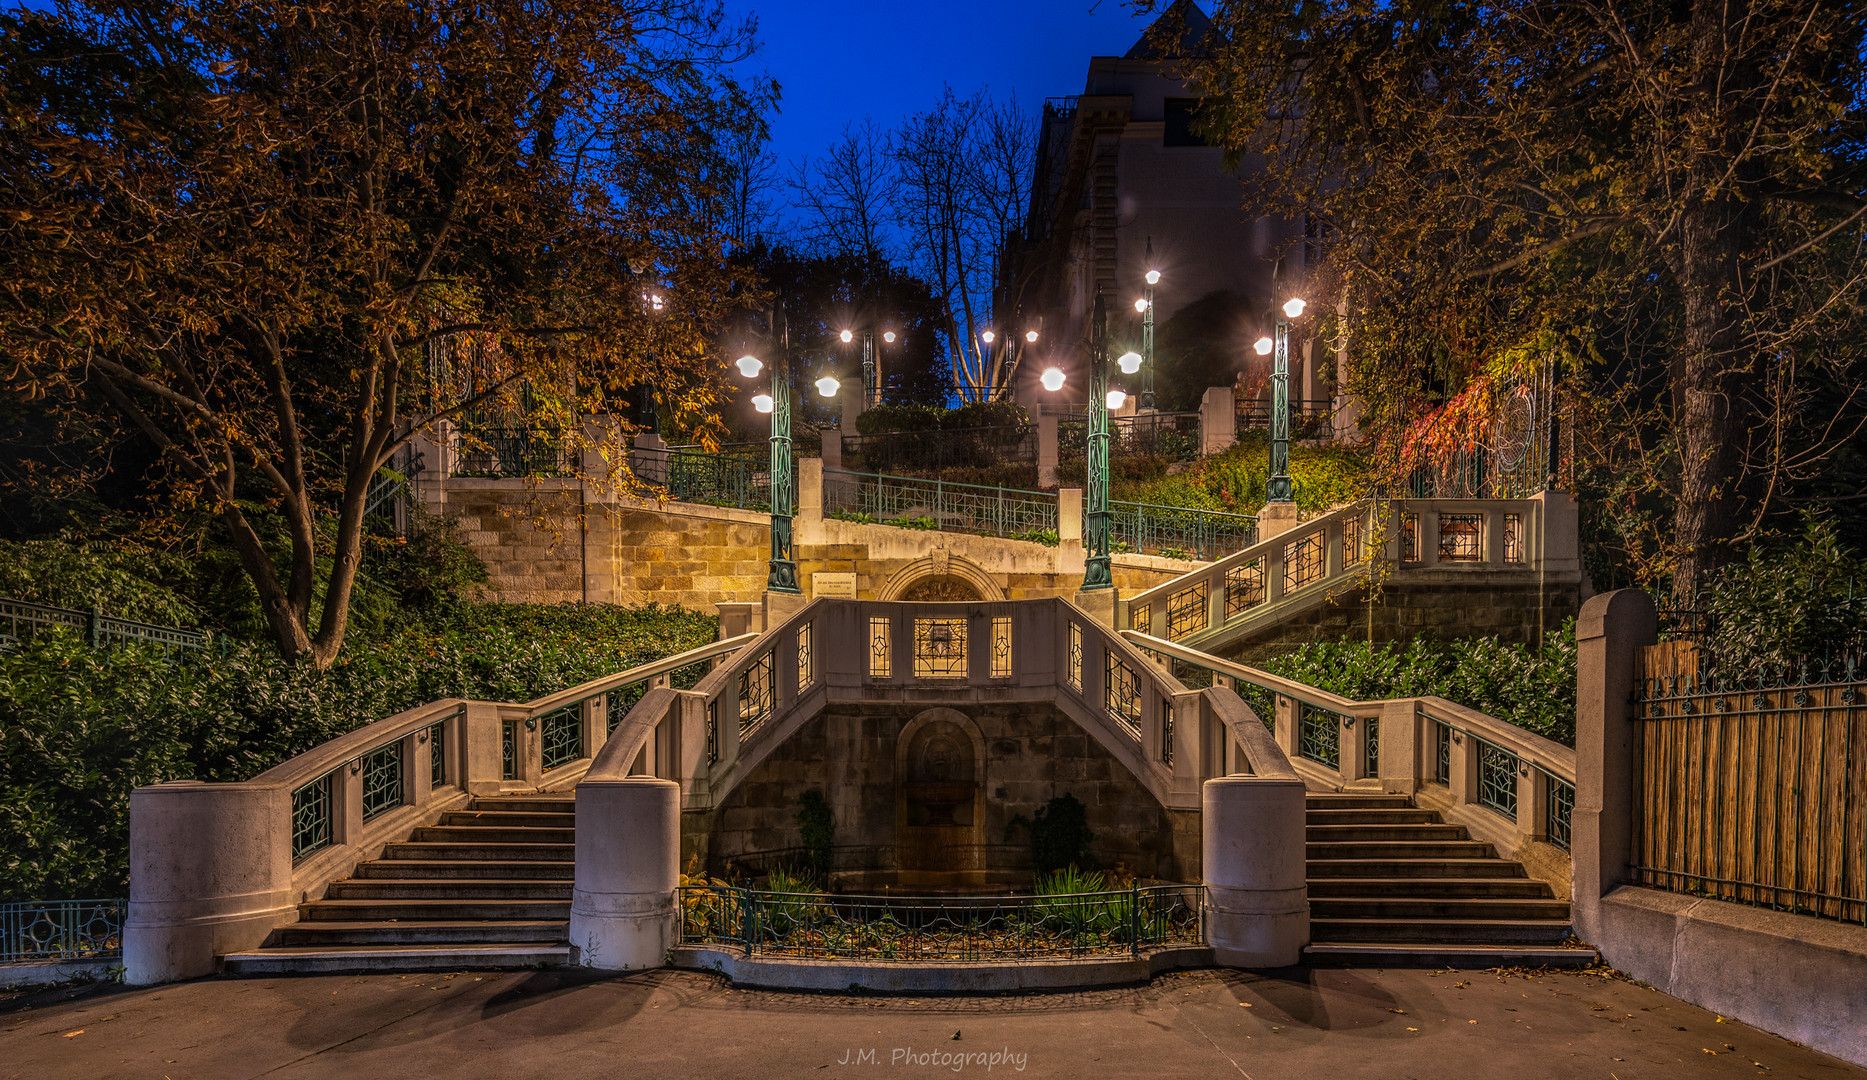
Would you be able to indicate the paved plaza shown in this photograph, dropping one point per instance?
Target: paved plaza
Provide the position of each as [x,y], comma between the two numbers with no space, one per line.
[1324,1023]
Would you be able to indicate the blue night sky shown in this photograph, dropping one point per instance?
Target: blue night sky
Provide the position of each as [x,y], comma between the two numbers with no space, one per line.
[837,61]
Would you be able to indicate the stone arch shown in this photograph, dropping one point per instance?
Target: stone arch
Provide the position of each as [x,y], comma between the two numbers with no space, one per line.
[940,799]
[937,571]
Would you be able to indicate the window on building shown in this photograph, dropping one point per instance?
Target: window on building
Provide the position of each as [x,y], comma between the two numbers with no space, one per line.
[1179,114]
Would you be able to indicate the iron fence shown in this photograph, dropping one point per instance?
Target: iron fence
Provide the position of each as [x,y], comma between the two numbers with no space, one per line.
[1754,791]
[1170,436]
[932,451]
[937,504]
[1308,418]
[514,452]
[19,620]
[737,476]
[1178,531]
[952,928]
[61,930]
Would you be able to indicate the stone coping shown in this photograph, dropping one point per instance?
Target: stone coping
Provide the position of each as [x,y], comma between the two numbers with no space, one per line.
[957,977]
[25,973]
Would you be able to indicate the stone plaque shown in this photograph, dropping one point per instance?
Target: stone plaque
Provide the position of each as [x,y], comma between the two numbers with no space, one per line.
[838,586]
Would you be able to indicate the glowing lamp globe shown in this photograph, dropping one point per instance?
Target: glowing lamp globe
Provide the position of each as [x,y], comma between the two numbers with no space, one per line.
[988,337]
[762,402]
[828,385]
[1141,304]
[1030,335]
[1117,398]
[847,337]
[749,366]
[1293,307]
[889,337]
[1263,346]
[1153,277]
[1052,379]
[1130,362]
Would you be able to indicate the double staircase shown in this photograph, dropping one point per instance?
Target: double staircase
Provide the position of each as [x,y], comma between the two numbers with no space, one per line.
[485,887]
[1391,884]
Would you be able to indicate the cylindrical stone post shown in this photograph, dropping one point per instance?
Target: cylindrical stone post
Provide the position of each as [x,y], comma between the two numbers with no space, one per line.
[210,873]
[622,908]
[1257,902]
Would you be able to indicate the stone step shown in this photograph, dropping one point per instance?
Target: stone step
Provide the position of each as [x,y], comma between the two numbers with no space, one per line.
[1328,801]
[311,959]
[1342,834]
[1401,849]
[331,932]
[447,889]
[555,804]
[1437,907]
[465,850]
[1440,931]
[431,910]
[468,869]
[1413,868]
[1468,956]
[1523,888]
[509,818]
[491,834]
[1382,816]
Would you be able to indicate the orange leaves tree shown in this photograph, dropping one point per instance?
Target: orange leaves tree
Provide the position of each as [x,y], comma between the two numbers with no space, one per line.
[253,232]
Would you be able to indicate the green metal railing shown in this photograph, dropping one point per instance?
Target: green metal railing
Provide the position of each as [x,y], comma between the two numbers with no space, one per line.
[1179,531]
[949,448]
[738,476]
[19,620]
[946,928]
[514,452]
[61,930]
[937,504]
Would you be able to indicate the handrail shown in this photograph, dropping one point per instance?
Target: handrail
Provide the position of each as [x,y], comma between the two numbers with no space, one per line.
[891,477]
[1264,546]
[595,688]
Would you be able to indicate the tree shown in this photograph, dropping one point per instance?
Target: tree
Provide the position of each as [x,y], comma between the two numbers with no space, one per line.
[281,239]
[964,189]
[844,196]
[1672,190]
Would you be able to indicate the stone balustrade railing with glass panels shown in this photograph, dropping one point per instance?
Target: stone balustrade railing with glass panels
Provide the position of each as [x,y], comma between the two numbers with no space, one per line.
[1508,785]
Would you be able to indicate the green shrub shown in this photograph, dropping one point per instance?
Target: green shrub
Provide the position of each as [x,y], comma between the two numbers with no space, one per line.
[1060,835]
[1235,480]
[79,728]
[1787,603]
[817,827]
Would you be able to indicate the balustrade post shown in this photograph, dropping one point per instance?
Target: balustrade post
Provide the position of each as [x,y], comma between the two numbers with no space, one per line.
[483,728]
[1532,800]
[1402,764]
[418,766]
[1463,769]
[1609,635]
[1285,731]
[595,721]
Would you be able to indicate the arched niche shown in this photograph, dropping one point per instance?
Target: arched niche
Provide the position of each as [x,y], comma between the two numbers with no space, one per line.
[940,800]
[946,574]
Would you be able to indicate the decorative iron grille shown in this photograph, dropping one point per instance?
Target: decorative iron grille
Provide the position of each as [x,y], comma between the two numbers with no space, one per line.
[1497,779]
[1166,732]
[1303,562]
[755,694]
[618,702]
[561,736]
[940,648]
[382,780]
[1244,586]
[1141,618]
[1186,611]
[509,750]
[1076,658]
[713,732]
[1001,647]
[1442,754]
[1513,538]
[513,452]
[739,477]
[1319,735]
[1179,532]
[917,929]
[61,929]
[1121,692]
[437,755]
[1371,746]
[1409,538]
[19,620]
[881,654]
[1461,537]
[938,504]
[1560,809]
[1168,436]
[1353,552]
[311,817]
[806,659]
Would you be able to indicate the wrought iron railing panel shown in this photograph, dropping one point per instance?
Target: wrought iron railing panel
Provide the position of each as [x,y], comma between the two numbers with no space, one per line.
[19,620]
[806,656]
[561,736]
[1303,562]
[933,451]
[61,930]
[1186,611]
[1122,692]
[940,648]
[1461,537]
[382,780]
[509,750]
[757,693]
[1442,753]
[1497,778]
[937,504]
[1001,647]
[1319,735]
[932,929]
[738,480]
[1166,733]
[311,817]
[1179,532]
[1558,812]
[437,755]
[514,452]
[1244,587]
[881,647]
[1371,747]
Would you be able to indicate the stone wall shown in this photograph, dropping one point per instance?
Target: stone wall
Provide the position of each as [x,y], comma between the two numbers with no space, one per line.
[1032,753]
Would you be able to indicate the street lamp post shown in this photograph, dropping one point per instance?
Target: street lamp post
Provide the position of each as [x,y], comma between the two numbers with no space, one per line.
[1278,488]
[1096,454]
[782,577]
[1147,329]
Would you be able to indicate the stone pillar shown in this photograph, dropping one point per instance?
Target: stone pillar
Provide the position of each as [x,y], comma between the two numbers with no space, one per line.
[622,907]
[807,527]
[648,458]
[1608,637]
[483,728]
[1275,519]
[833,449]
[1046,450]
[1257,904]
[210,873]
[738,618]
[1218,421]
[1401,766]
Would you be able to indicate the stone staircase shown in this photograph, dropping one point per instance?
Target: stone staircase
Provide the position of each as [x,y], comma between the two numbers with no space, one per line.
[1393,885]
[485,887]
